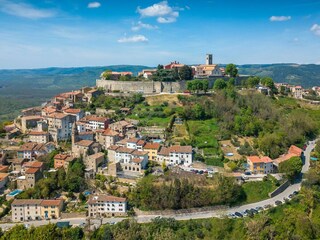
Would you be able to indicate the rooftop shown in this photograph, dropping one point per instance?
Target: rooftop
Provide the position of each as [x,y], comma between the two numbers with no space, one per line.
[152,146]
[84,143]
[180,149]
[105,198]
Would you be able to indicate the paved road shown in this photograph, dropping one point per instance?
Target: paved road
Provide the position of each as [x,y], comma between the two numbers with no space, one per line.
[198,215]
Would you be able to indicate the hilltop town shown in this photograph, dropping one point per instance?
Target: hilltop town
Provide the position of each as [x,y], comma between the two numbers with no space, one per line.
[99,152]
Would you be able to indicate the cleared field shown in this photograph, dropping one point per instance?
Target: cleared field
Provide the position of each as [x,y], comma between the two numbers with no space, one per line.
[203,135]
[257,191]
[172,99]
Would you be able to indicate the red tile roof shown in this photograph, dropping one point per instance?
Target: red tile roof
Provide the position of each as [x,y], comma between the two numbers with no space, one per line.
[32,170]
[84,143]
[34,164]
[51,202]
[256,159]
[137,160]
[295,150]
[110,132]
[73,110]
[152,146]
[181,149]
[105,198]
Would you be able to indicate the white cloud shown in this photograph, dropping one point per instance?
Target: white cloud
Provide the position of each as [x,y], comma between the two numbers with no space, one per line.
[94,5]
[166,19]
[280,18]
[162,11]
[25,10]
[140,25]
[315,29]
[133,39]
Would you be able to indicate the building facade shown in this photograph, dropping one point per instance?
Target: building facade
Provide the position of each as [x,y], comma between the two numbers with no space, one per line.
[106,206]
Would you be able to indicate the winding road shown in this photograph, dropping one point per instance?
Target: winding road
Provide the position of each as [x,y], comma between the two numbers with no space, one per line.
[95,223]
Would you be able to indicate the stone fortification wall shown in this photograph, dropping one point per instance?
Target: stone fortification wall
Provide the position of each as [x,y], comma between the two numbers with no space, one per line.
[150,87]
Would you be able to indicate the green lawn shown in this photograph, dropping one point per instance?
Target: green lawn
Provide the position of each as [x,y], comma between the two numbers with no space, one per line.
[203,135]
[257,191]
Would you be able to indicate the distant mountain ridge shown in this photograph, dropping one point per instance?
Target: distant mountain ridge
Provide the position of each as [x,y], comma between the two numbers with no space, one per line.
[22,88]
[307,75]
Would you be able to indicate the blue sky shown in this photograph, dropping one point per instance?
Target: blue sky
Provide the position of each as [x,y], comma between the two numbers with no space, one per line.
[67,33]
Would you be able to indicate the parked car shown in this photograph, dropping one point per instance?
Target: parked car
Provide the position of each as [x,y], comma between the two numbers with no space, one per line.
[290,196]
[277,203]
[295,193]
[238,214]
[267,206]
[259,209]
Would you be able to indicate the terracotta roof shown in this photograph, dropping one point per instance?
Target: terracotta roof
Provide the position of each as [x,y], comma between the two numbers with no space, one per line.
[73,110]
[139,153]
[152,146]
[133,140]
[253,159]
[122,142]
[22,202]
[51,202]
[28,146]
[85,143]
[38,133]
[164,151]
[94,118]
[137,160]
[295,150]
[57,115]
[34,164]
[141,143]
[61,156]
[113,147]
[125,150]
[96,155]
[181,149]
[110,132]
[4,168]
[284,157]
[105,198]
[49,110]
[3,176]
[32,170]
[256,159]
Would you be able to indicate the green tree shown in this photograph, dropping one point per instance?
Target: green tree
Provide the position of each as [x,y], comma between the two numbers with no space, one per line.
[107,74]
[185,73]
[231,70]
[219,84]
[291,168]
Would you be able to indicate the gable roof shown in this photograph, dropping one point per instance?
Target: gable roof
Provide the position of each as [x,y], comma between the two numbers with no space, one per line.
[180,149]
[152,146]
[84,143]
[295,150]
[105,198]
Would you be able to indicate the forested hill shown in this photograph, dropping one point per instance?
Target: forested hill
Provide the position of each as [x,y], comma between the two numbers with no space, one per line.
[25,88]
[307,75]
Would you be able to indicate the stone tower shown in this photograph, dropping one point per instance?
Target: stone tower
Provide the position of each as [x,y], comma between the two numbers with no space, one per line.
[209,59]
[74,134]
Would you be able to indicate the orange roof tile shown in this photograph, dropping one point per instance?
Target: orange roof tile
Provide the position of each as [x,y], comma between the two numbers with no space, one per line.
[152,146]
[32,170]
[295,150]
[51,202]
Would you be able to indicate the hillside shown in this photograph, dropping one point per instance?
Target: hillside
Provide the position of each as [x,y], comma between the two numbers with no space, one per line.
[24,88]
[305,75]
